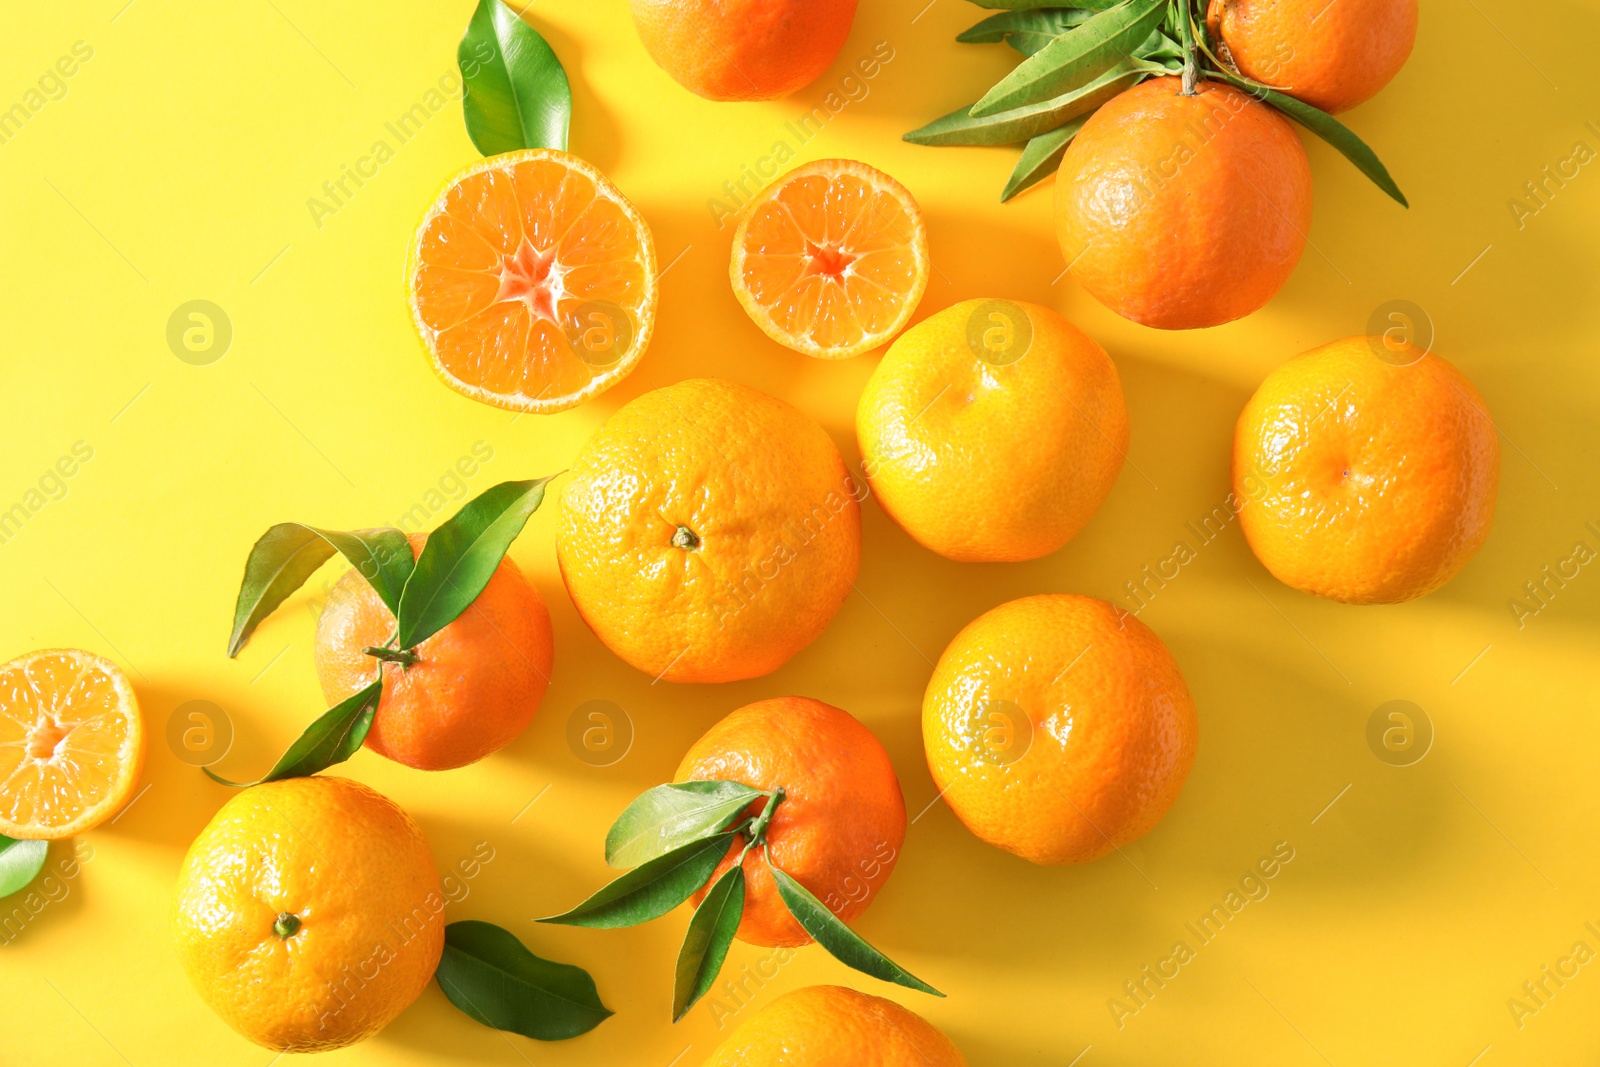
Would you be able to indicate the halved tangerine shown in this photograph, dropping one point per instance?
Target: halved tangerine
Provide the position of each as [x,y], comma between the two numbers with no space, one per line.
[71,743]
[532,281]
[831,259]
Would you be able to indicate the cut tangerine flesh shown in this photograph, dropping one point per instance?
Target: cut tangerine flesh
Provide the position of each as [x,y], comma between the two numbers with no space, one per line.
[831,259]
[71,743]
[533,282]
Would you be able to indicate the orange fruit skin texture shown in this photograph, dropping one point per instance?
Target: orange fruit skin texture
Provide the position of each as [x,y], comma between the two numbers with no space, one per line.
[353,868]
[830,1026]
[71,743]
[839,828]
[743,49]
[988,463]
[772,510]
[1332,56]
[1181,212]
[1112,727]
[1362,480]
[475,688]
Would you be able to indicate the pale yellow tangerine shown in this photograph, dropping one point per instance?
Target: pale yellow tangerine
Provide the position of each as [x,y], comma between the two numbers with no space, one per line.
[993,430]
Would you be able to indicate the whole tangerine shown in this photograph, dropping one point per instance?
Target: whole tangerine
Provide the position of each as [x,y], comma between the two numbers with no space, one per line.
[1331,55]
[1058,727]
[1183,211]
[743,49]
[840,824]
[476,683]
[1366,471]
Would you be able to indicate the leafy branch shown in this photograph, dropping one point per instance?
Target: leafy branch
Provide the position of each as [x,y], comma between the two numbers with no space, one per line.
[1078,57]
[425,594]
[674,837]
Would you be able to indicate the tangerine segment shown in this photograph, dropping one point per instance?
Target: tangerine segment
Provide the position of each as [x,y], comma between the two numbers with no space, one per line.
[533,282]
[71,743]
[831,259]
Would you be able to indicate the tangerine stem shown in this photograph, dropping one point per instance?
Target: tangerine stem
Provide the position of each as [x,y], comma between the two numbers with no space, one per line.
[287,925]
[758,829]
[403,656]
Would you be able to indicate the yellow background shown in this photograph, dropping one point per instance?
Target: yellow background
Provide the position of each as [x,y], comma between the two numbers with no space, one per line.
[178,165]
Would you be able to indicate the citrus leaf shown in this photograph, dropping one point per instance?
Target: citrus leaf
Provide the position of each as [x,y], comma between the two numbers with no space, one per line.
[1040,157]
[461,556]
[843,943]
[491,976]
[651,890]
[286,555]
[705,946]
[1026,30]
[1024,123]
[1076,57]
[20,863]
[279,563]
[515,92]
[670,816]
[333,738]
[1326,127]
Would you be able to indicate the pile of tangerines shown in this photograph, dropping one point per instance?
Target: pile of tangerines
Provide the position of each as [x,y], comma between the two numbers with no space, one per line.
[708,532]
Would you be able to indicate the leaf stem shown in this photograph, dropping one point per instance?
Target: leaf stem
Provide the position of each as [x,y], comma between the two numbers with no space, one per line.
[756,832]
[404,656]
[1191,65]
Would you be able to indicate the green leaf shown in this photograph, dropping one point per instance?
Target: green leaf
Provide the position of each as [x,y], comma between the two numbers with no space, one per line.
[461,556]
[843,943]
[1041,157]
[278,564]
[333,738]
[1075,58]
[651,890]
[705,946]
[290,552]
[1028,30]
[1024,123]
[670,816]
[516,93]
[20,863]
[1326,127]
[490,975]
